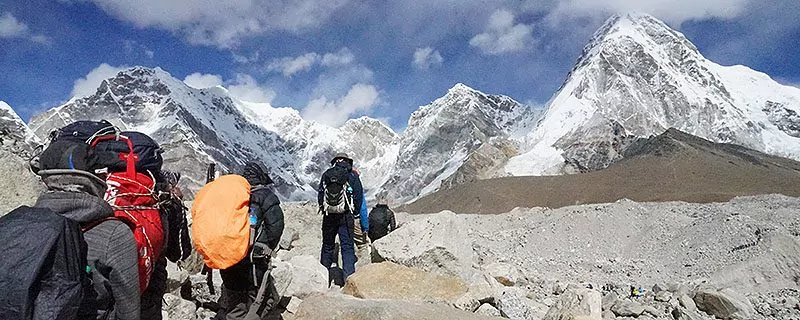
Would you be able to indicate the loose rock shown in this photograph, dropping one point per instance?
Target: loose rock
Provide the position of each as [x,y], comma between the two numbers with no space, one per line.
[488,310]
[341,307]
[577,304]
[724,304]
[388,280]
[626,308]
[438,243]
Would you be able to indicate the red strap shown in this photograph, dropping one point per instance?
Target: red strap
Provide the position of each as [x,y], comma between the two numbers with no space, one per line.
[130,158]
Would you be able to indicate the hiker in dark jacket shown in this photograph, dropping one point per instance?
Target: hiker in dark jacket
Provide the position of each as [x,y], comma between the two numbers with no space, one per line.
[248,290]
[177,245]
[381,220]
[73,191]
[340,224]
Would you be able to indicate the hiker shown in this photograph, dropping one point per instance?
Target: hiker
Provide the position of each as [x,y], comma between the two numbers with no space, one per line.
[248,290]
[74,190]
[340,197]
[177,245]
[381,220]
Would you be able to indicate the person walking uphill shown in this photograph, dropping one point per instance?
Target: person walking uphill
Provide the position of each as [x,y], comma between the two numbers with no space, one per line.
[340,196]
[108,269]
[248,290]
[381,220]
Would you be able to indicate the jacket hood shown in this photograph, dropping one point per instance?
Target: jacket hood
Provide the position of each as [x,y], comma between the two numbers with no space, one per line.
[81,207]
[73,181]
[256,174]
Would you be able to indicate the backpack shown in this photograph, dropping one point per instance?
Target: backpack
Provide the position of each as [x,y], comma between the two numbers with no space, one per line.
[178,245]
[148,152]
[221,222]
[84,131]
[335,187]
[134,201]
[133,196]
[44,265]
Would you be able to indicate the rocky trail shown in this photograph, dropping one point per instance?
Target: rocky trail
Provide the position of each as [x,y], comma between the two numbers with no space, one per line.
[623,260]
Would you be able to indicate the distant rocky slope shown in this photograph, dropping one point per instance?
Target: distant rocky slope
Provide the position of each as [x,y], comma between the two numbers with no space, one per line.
[18,185]
[674,166]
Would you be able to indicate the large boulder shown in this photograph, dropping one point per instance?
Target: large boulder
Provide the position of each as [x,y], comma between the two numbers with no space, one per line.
[343,307]
[300,276]
[513,303]
[581,304]
[506,273]
[724,304]
[627,308]
[389,280]
[23,188]
[438,243]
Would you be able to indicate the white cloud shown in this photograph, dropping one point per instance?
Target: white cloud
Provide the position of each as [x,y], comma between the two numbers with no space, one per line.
[291,65]
[202,80]
[222,23]
[341,58]
[671,11]
[359,99]
[502,35]
[10,27]
[243,87]
[246,88]
[88,85]
[149,53]
[425,58]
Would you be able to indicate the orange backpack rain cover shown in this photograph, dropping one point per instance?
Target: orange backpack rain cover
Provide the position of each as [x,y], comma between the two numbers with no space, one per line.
[220,222]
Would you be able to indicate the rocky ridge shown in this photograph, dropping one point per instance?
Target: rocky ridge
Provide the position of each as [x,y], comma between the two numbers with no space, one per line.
[624,260]
[17,143]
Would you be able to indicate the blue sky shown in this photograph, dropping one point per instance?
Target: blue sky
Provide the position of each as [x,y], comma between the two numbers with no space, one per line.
[334,59]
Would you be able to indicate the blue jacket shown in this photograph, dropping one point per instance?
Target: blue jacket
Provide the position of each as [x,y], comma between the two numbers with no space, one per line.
[357,192]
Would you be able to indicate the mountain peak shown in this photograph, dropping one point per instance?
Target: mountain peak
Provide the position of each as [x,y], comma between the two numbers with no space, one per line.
[635,27]
[460,88]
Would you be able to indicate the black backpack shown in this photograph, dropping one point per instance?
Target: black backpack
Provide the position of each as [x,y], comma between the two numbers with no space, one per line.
[147,151]
[335,187]
[44,269]
[84,131]
[178,243]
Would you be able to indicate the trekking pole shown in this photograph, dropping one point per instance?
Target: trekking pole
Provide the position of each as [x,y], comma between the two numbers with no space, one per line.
[211,174]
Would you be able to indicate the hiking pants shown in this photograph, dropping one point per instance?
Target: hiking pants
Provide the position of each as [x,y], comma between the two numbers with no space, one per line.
[359,236]
[341,224]
[152,298]
[252,304]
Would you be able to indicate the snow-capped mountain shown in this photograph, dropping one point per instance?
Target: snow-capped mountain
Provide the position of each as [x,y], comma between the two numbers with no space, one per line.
[444,135]
[193,126]
[368,141]
[15,136]
[199,126]
[636,78]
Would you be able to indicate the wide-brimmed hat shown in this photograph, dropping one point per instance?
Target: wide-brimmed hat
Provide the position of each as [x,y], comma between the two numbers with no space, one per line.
[343,156]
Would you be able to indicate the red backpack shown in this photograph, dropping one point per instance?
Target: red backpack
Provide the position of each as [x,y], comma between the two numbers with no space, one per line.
[132,195]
